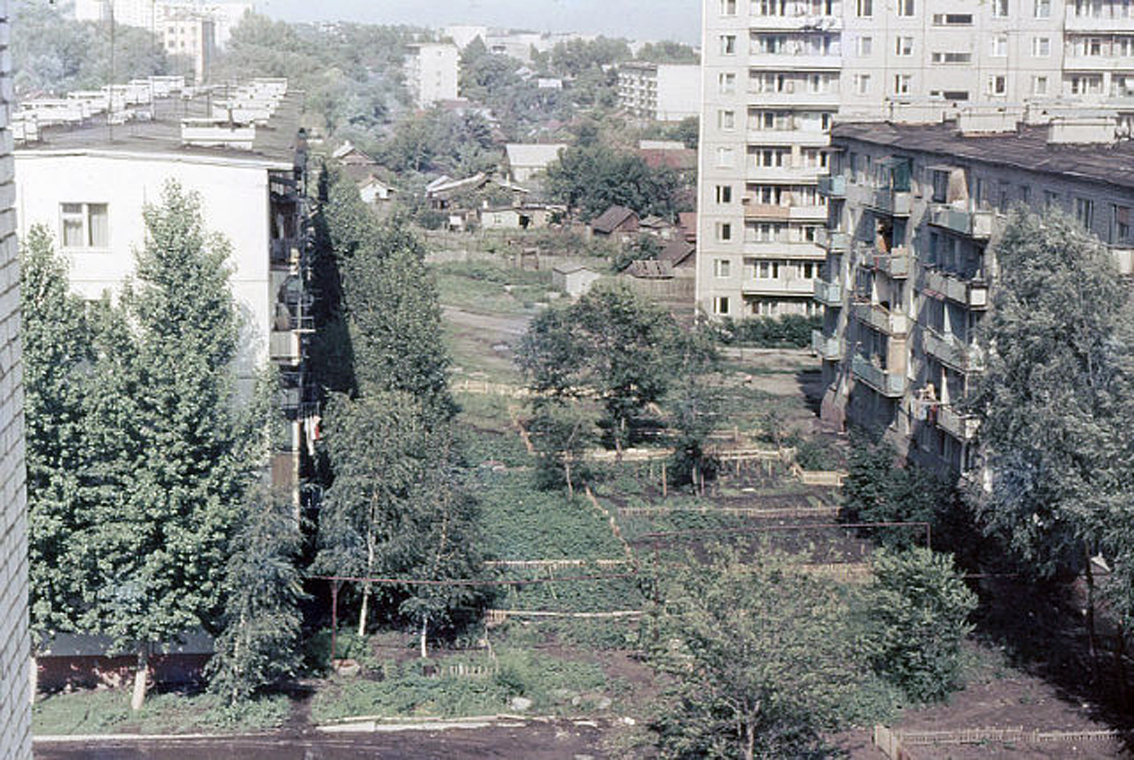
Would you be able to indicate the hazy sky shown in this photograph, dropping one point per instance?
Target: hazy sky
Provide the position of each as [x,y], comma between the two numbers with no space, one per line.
[634,19]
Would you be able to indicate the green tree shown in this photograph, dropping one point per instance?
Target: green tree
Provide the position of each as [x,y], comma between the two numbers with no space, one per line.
[612,344]
[694,403]
[918,608]
[668,51]
[561,433]
[1054,399]
[259,645]
[594,177]
[764,660]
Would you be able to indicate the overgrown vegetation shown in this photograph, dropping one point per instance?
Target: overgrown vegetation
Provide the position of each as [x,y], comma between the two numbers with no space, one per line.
[788,331]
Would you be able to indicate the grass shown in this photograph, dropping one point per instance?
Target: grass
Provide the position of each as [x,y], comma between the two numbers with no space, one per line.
[484,286]
[553,685]
[107,711]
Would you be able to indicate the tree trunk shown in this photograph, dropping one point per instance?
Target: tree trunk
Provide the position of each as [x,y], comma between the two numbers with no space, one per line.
[567,474]
[141,678]
[1120,668]
[424,632]
[33,679]
[749,741]
[362,614]
[1092,635]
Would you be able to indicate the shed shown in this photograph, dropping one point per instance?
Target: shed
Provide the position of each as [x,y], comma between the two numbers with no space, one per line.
[525,160]
[616,222]
[515,217]
[86,660]
[374,191]
[574,279]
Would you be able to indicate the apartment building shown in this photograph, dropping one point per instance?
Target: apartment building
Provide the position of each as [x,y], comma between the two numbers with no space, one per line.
[659,92]
[778,73]
[432,72]
[911,271]
[190,37]
[247,161]
[155,14]
[15,643]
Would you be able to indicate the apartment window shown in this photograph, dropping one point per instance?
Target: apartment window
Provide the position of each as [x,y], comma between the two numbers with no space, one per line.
[809,270]
[724,193]
[903,46]
[728,7]
[85,225]
[726,119]
[726,83]
[999,46]
[864,46]
[952,19]
[728,44]
[901,84]
[722,268]
[952,58]
[720,305]
[1084,212]
[1041,47]
[864,8]
[906,7]
[1039,85]
[724,232]
[1000,8]
[1042,9]
[998,84]
[861,84]
[726,158]
[1121,231]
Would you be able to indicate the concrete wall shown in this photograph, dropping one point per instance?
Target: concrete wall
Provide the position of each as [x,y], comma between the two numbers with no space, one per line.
[15,707]
[432,73]
[679,92]
[235,203]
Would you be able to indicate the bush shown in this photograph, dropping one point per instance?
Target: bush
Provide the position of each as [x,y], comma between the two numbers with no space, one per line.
[431,220]
[918,609]
[788,331]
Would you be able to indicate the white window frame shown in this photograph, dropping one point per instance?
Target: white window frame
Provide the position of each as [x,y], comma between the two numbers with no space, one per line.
[83,216]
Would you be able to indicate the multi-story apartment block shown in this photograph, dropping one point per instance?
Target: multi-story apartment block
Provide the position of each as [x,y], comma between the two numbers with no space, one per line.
[778,73]
[247,162]
[154,14]
[916,211]
[432,72]
[190,36]
[15,644]
[659,92]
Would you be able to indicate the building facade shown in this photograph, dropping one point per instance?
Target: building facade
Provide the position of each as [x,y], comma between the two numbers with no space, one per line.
[192,37]
[659,92]
[432,73]
[778,73]
[251,184]
[911,271]
[15,644]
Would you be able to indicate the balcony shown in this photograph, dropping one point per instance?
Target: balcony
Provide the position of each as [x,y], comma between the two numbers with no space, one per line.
[776,249]
[897,264]
[889,384]
[829,293]
[797,95]
[1102,23]
[891,202]
[825,347]
[284,347]
[963,427]
[833,186]
[793,23]
[285,251]
[974,224]
[805,137]
[1099,62]
[894,324]
[804,175]
[787,62]
[769,211]
[970,293]
[833,240]
[952,352]
[808,213]
[778,287]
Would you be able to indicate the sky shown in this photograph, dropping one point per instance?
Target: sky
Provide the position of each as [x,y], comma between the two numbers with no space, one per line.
[634,19]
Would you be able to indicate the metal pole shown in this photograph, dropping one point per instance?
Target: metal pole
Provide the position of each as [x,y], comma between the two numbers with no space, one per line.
[334,620]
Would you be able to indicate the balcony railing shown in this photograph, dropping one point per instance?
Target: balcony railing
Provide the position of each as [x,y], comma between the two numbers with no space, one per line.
[833,240]
[829,293]
[952,352]
[889,384]
[891,202]
[973,224]
[285,250]
[775,286]
[894,324]
[1114,22]
[897,263]
[825,346]
[963,427]
[766,211]
[970,293]
[285,347]
[834,186]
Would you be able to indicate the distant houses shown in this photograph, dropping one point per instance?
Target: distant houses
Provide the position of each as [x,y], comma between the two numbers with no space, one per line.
[523,161]
[617,223]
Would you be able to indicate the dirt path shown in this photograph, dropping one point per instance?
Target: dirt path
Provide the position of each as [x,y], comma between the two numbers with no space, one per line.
[504,325]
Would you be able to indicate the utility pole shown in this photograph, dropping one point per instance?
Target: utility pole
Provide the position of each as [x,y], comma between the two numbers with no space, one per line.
[110,84]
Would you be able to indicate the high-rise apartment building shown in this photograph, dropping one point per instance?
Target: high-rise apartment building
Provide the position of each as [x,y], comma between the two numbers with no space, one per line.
[659,92]
[432,72]
[15,707]
[777,73]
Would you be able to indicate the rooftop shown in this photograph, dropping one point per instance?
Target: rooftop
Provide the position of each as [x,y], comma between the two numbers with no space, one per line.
[275,142]
[1026,148]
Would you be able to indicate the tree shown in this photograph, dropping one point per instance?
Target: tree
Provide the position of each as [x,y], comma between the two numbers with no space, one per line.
[764,659]
[694,403]
[174,458]
[1054,399]
[259,645]
[561,434]
[594,177]
[611,344]
[918,608]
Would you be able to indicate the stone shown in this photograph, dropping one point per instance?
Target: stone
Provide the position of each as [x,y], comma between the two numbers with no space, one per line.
[520,704]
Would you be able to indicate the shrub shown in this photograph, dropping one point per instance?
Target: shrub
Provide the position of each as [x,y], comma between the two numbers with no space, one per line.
[788,331]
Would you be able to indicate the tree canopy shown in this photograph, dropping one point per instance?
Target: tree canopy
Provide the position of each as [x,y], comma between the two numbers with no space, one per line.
[593,177]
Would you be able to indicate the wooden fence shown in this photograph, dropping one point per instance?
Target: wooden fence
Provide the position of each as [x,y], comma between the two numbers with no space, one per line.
[556,564]
[895,743]
[498,617]
[771,513]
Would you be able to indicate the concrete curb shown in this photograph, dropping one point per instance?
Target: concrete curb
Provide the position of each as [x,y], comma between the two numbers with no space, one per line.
[87,738]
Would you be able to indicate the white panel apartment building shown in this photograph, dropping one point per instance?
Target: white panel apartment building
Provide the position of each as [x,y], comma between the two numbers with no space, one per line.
[776,74]
[15,645]
[432,72]
[659,92]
